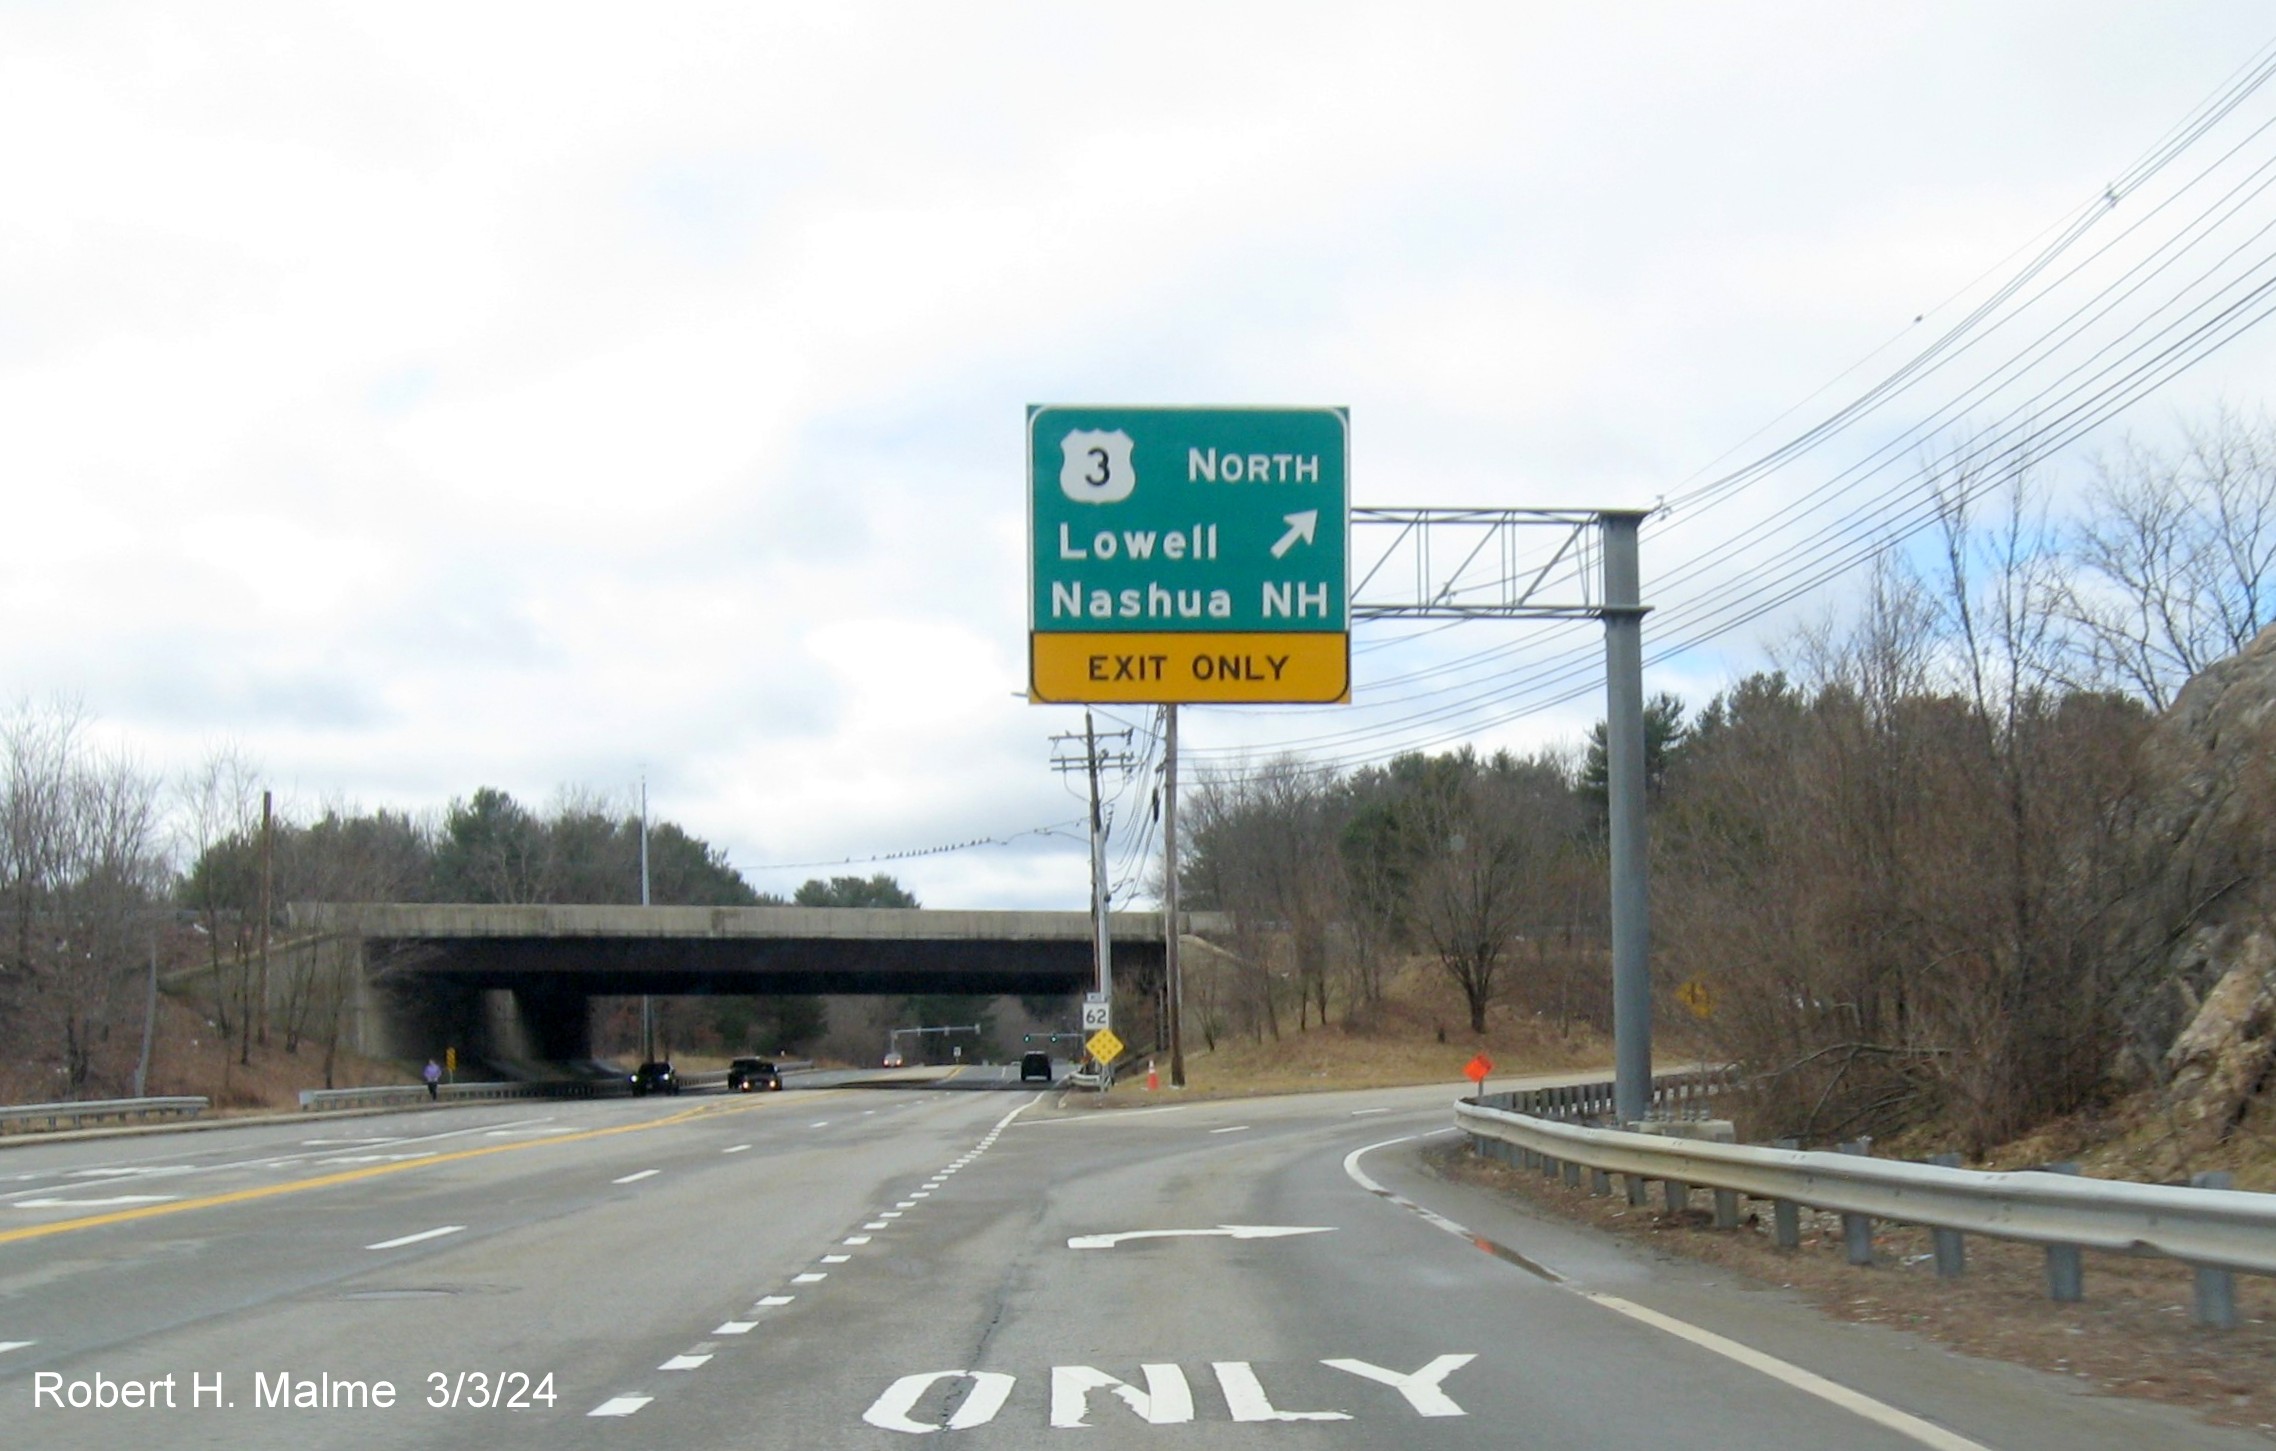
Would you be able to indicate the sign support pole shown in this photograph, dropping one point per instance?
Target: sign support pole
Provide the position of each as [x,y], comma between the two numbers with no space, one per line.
[1104,946]
[1624,778]
[1170,923]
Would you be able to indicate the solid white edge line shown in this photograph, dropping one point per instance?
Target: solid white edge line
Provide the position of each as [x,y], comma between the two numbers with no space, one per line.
[619,1406]
[1857,1403]
[398,1243]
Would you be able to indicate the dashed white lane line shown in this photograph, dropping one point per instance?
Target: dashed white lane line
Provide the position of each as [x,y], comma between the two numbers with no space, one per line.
[1364,1112]
[1235,1129]
[114,1200]
[823,1124]
[905,1204]
[8,1345]
[702,1353]
[398,1243]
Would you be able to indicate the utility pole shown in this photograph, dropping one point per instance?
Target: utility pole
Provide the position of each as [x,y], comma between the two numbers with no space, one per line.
[268,884]
[647,1012]
[1093,760]
[1103,948]
[149,1018]
[1173,982]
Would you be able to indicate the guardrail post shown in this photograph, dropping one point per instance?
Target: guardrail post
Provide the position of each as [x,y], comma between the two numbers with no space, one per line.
[1599,1183]
[1951,1245]
[1726,1209]
[1786,1218]
[1785,1214]
[2216,1288]
[1548,1167]
[2066,1267]
[1857,1229]
[1572,1174]
[1678,1197]
[1638,1188]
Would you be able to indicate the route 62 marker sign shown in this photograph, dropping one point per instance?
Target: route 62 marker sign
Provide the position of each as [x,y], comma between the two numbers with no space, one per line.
[1098,1014]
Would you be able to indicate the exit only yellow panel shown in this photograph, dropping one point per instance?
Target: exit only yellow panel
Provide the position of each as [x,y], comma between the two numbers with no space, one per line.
[1166,667]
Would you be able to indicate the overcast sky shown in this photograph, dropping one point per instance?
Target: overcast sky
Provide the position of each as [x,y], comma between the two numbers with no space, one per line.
[422,397]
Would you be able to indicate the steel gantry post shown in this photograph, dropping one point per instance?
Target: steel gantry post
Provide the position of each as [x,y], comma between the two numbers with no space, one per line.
[1470,564]
[1623,610]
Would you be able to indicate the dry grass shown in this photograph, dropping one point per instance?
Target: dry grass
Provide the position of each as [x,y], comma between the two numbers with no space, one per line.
[189,1056]
[1419,1033]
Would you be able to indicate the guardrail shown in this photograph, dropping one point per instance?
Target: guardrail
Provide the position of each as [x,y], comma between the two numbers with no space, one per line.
[2215,1229]
[314,1100]
[125,1109]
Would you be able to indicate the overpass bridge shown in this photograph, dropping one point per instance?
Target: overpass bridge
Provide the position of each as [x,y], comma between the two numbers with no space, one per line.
[515,981]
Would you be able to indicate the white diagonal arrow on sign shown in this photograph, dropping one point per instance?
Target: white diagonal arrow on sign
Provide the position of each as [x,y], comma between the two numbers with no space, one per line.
[1301,528]
[1222,1231]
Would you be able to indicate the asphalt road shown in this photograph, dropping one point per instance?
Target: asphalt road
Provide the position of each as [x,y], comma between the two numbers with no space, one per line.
[850,1266]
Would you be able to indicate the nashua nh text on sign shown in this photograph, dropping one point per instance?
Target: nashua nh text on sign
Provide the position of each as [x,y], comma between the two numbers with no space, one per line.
[1188,554]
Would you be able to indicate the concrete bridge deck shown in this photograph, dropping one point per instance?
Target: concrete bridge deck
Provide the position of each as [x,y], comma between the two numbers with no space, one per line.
[424,960]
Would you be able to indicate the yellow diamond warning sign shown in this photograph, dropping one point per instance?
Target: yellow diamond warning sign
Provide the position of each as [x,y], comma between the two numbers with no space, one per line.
[1103,1045]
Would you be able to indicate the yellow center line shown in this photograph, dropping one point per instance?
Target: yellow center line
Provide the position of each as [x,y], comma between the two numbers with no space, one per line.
[351,1176]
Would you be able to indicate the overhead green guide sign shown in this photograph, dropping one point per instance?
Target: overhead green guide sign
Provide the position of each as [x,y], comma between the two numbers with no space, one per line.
[1184,554]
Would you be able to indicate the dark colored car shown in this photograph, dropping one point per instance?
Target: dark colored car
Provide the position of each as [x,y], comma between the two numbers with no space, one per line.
[654,1078]
[1033,1066]
[752,1075]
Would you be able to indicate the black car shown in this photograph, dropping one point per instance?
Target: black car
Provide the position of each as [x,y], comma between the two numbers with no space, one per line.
[1033,1066]
[654,1078]
[752,1075]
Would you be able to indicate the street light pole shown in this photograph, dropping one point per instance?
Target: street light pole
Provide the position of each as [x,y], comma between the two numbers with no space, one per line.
[647,1011]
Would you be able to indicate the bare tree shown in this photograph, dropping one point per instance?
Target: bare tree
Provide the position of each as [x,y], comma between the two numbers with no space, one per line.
[2175,558]
[83,867]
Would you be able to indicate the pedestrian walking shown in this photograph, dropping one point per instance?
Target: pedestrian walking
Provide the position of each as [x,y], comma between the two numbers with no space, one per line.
[434,1077]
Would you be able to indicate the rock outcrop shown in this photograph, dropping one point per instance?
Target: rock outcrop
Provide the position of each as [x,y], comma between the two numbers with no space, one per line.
[2204,921]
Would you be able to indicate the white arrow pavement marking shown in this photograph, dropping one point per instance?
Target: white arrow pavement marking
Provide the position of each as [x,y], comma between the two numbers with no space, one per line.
[1301,527]
[1222,1231]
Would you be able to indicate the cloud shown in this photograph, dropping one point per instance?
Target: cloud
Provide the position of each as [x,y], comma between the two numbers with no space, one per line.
[430,396]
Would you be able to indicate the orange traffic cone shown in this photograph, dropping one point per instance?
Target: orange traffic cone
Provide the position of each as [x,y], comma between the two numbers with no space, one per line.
[1153,1079]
